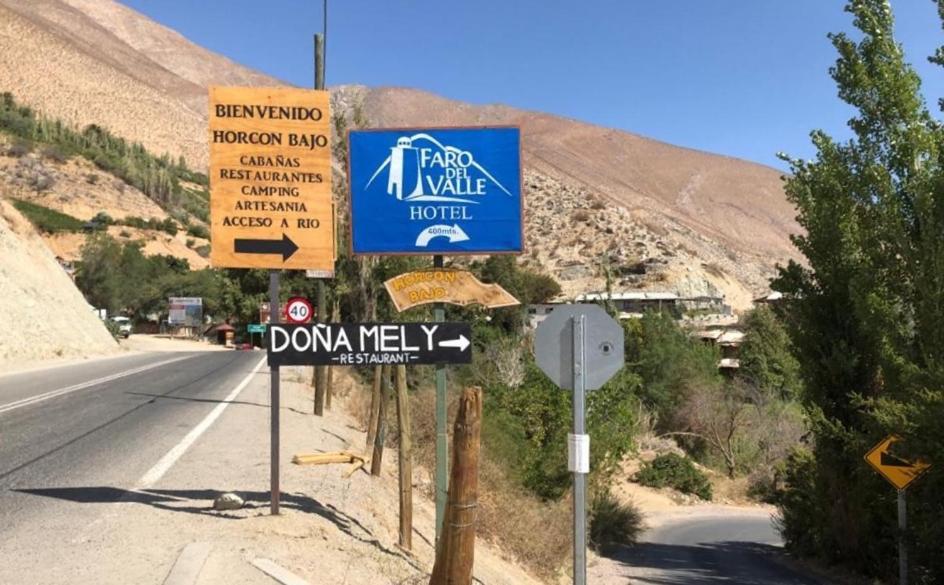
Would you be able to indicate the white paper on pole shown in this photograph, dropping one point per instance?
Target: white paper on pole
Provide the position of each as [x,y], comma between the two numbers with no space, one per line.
[578,453]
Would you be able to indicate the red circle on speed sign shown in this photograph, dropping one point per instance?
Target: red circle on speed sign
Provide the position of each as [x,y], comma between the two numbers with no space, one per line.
[298,310]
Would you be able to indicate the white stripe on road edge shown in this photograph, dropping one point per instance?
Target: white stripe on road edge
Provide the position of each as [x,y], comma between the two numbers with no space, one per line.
[187,569]
[84,385]
[167,461]
[280,574]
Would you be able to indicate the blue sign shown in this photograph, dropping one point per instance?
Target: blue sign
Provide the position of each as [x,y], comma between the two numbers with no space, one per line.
[436,191]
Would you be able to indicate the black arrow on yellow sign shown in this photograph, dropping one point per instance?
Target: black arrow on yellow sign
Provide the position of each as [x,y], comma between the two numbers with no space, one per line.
[286,247]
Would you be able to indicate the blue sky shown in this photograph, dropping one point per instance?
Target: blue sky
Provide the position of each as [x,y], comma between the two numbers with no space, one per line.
[745,78]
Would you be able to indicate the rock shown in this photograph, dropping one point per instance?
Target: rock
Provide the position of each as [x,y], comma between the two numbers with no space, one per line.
[228,501]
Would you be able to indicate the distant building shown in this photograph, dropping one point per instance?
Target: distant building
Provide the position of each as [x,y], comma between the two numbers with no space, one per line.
[539,312]
[728,340]
[771,299]
[634,304]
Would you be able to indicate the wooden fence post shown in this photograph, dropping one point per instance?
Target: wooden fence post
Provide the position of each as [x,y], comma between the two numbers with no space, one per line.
[374,403]
[329,391]
[377,458]
[406,461]
[456,553]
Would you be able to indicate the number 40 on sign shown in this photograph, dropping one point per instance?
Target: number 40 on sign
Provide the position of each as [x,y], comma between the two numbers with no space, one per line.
[298,310]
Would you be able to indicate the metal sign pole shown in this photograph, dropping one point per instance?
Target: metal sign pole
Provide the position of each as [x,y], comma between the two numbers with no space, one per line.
[321,315]
[902,545]
[274,401]
[442,438]
[579,449]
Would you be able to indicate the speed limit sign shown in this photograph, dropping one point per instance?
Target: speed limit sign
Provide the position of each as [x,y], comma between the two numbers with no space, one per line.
[298,310]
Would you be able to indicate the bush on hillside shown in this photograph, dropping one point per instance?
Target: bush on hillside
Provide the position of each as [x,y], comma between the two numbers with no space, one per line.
[199,231]
[48,220]
[19,148]
[674,471]
[612,522]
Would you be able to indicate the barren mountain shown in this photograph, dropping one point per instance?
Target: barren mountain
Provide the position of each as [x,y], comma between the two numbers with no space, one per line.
[598,200]
[99,62]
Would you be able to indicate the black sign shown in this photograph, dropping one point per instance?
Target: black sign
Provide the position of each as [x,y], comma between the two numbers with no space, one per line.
[368,344]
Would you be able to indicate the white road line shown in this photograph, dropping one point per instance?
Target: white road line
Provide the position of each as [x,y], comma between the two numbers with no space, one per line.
[82,386]
[167,461]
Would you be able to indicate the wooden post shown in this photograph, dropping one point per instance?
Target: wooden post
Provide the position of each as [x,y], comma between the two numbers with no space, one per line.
[456,552]
[406,461]
[329,390]
[374,404]
[377,457]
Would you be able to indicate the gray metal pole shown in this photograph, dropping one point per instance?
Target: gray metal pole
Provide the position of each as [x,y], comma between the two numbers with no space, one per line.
[442,438]
[274,401]
[902,545]
[321,314]
[580,478]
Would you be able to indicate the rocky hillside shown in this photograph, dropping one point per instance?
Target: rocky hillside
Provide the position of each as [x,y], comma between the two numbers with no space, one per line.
[44,314]
[99,62]
[598,200]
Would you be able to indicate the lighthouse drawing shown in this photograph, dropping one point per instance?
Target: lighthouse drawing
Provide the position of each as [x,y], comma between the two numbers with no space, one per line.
[405,169]
[421,168]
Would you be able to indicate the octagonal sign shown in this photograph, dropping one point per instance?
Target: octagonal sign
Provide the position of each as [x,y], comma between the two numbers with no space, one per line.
[603,345]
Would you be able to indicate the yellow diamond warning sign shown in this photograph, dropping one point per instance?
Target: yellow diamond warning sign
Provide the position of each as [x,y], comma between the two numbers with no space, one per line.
[270,179]
[897,470]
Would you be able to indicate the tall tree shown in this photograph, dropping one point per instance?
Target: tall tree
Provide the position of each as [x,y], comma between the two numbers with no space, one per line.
[866,314]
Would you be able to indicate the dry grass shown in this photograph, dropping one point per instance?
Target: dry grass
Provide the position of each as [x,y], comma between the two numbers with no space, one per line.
[509,517]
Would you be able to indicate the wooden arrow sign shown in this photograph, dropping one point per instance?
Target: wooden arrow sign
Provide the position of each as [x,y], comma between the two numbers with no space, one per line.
[456,287]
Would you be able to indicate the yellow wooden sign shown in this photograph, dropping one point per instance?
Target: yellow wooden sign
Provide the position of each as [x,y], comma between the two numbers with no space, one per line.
[899,472]
[456,287]
[270,179]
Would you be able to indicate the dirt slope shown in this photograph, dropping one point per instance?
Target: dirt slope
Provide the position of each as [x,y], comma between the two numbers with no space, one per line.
[98,62]
[43,313]
[662,217]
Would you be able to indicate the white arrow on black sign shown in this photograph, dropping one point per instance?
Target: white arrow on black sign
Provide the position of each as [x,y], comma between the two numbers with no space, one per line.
[461,343]
[365,344]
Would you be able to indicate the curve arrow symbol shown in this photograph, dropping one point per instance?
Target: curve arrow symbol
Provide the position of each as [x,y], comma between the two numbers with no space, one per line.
[286,247]
[461,343]
[453,232]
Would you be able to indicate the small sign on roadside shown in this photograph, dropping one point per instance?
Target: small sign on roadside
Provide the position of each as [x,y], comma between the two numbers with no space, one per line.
[898,471]
[456,287]
[367,344]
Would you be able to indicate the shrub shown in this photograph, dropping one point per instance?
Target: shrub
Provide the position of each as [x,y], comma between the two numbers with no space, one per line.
[673,470]
[55,154]
[91,179]
[42,182]
[581,215]
[203,251]
[102,218]
[170,227]
[113,328]
[48,220]
[199,231]
[19,148]
[613,522]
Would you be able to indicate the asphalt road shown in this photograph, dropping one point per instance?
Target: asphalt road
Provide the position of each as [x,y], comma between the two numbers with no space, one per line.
[730,549]
[94,426]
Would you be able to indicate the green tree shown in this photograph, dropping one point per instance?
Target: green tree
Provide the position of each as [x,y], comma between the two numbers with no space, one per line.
[669,362]
[767,361]
[865,312]
[97,275]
